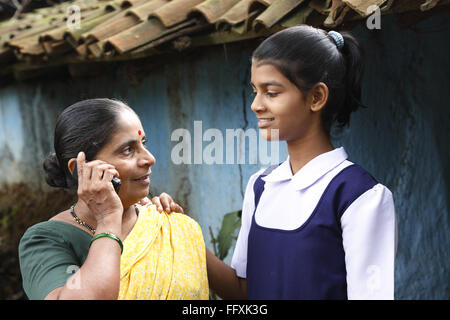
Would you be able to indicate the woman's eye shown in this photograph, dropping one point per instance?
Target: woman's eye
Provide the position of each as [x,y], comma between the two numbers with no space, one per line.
[127,150]
[271,94]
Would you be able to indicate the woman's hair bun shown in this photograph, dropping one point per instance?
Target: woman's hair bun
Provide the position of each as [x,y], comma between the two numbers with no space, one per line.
[54,174]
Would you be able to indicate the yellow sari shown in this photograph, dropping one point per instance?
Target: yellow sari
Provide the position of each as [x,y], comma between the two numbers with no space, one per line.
[163,258]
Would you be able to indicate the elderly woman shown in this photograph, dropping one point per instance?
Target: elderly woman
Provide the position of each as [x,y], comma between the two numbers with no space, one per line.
[107,246]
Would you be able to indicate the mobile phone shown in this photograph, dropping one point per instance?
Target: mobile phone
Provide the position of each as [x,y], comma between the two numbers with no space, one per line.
[115,181]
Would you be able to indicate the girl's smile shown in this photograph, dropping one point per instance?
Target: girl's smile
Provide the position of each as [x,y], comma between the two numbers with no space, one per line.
[278,104]
[265,122]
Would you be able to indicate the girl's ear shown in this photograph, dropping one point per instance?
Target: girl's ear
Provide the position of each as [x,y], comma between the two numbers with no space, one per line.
[318,96]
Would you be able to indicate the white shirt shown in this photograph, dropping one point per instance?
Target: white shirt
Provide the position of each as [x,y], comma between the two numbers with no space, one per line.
[368,224]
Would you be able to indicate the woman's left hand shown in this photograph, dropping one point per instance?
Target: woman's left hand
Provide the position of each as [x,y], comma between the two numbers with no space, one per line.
[166,203]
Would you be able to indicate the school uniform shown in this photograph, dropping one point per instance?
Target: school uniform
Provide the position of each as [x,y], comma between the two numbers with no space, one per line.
[327,232]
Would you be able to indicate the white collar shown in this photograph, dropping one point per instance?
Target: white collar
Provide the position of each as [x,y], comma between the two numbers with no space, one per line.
[311,172]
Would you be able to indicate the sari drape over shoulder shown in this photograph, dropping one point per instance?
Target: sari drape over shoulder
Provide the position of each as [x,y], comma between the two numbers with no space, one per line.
[163,258]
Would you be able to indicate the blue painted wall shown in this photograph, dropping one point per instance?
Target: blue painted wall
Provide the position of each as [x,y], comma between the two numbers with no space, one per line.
[401,138]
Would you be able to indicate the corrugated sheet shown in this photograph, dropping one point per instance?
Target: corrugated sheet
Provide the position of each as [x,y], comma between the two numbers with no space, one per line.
[129,29]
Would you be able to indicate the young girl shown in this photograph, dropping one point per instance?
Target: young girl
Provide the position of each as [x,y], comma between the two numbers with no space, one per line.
[317,226]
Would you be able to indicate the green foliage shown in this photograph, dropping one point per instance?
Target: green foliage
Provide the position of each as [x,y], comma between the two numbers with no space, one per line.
[7,215]
[231,221]
[227,233]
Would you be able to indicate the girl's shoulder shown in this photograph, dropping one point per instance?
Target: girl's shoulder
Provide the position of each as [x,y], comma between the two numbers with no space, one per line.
[353,179]
[255,175]
[251,182]
[262,172]
[350,171]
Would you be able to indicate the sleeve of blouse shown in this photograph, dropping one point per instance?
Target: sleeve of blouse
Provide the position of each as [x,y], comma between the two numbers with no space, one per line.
[370,239]
[46,262]
[239,260]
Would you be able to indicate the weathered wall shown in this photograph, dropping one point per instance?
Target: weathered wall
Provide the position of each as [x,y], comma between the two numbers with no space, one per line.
[400,138]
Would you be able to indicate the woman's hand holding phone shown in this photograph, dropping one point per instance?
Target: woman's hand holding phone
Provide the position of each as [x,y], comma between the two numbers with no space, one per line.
[96,190]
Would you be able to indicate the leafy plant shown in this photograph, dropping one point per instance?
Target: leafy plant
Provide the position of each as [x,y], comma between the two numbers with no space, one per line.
[227,233]
[7,215]
[231,221]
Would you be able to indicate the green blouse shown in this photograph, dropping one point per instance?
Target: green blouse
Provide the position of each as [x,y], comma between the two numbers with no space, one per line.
[49,253]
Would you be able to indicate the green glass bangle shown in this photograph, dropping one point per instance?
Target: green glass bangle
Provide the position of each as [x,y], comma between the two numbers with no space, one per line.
[108,235]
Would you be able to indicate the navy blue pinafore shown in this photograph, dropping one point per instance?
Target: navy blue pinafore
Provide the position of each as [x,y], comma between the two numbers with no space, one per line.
[308,262]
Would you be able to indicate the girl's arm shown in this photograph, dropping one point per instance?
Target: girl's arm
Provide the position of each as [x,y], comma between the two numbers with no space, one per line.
[223,279]
[370,241]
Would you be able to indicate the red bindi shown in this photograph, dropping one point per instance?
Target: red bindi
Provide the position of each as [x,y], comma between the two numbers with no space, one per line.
[139,132]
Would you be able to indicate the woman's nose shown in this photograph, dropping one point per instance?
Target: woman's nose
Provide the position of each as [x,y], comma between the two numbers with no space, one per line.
[148,159]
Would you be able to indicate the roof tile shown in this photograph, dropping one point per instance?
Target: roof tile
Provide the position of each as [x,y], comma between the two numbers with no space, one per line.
[136,36]
[278,10]
[124,28]
[213,10]
[144,10]
[174,11]
[362,6]
[236,14]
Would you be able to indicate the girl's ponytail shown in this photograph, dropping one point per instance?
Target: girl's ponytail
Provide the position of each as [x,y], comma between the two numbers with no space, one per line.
[354,67]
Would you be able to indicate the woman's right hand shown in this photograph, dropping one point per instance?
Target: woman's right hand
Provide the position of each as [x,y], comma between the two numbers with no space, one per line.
[96,190]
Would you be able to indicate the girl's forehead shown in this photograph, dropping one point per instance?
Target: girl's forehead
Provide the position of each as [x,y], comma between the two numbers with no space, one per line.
[266,72]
